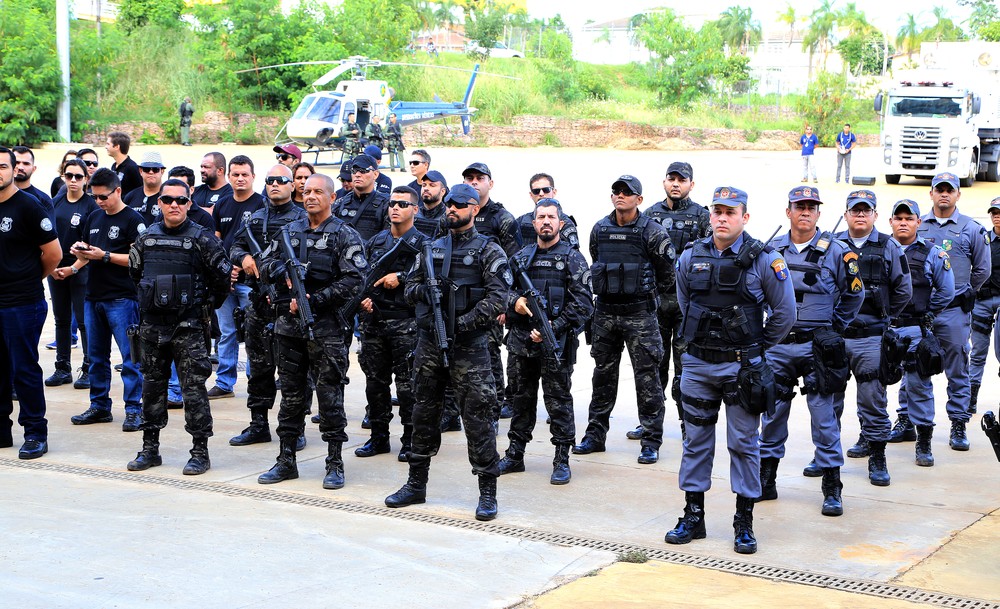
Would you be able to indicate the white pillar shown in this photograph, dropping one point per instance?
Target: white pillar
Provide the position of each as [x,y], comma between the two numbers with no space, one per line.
[62,47]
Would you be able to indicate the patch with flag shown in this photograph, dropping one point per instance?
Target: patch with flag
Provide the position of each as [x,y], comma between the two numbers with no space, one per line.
[780,270]
[946,244]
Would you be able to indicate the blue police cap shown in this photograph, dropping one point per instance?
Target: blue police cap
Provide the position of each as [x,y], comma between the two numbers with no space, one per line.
[729,196]
[463,193]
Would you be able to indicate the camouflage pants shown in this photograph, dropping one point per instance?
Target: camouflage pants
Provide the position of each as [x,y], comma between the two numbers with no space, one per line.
[388,350]
[261,388]
[186,347]
[640,333]
[327,358]
[351,148]
[494,341]
[556,394]
[669,319]
[472,381]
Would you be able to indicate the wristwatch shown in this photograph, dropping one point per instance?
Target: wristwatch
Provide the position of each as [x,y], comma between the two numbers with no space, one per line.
[107,257]
[74,270]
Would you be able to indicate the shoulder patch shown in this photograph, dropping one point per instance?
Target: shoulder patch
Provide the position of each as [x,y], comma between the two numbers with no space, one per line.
[849,256]
[986,236]
[946,260]
[780,270]
[857,285]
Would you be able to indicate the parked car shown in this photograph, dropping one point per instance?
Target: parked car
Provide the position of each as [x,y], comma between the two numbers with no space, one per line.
[499,50]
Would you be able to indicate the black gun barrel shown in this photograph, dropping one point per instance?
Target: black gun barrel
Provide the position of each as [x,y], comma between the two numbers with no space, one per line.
[536,304]
[297,273]
[434,293]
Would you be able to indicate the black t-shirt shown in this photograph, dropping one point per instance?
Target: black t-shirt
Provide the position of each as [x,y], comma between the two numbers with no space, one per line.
[203,196]
[24,227]
[115,234]
[145,205]
[70,220]
[230,215]
[201,217]
[128,173]
[383,183]
[44,199]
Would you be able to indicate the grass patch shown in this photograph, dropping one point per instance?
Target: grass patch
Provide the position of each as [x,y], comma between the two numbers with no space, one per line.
[633,556]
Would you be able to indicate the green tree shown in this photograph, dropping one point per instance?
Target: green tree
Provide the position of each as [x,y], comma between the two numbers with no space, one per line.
[739,30]
[30,86]
[683,61]
[789,18]
[983,21]
[909,36]
[944,28]
[864,53]
[135,14]
[375,28]
[829,102]
[822,22]
[484,23]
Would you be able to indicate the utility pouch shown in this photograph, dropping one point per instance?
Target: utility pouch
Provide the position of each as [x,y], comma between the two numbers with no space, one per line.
[930,356]
[757,388]
[830,361]
[893,352]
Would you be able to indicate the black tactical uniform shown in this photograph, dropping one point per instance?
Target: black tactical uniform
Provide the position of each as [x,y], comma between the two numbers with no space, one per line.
[431,221]
[561,275]
[182,274]
[335,261]
[569,232]
[367,214]
[263,225]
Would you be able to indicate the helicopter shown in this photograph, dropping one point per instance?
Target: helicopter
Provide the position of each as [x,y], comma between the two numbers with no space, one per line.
[317,121]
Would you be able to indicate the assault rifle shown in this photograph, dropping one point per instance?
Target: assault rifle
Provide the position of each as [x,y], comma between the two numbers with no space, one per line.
[537,306]
[297,274]
[377,271]
[434,295]
[267,290]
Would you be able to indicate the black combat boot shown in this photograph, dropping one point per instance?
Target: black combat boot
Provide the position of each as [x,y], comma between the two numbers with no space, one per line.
[878,469]
[285,467]
[903,430]
[811,470]
[860,448]
[199,462]
[378,444]
[257,433]
[768,478]
[832,487]
[334,478]
[513,459]
[415,489]
[149,456]
[63,375]
[692,524]
[406,441]
[958,439]
[974,388]
[560,465]
[924,456]
[744,541]
[487,508]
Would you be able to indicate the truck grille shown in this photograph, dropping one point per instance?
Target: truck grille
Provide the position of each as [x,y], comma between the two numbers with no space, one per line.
[920,148]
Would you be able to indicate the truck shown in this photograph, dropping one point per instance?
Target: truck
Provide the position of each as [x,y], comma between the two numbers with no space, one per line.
[945,118]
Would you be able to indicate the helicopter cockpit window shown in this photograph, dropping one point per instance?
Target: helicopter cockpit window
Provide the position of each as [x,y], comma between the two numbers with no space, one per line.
[325,109]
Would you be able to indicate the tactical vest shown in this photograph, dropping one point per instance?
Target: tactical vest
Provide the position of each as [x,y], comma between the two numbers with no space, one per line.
[390,303]
[814,300]
[569,232]
[622,267]
[318,250]
[173,284]
[366,216]
[721,313]
[961,264]
[992,286]
[920,302]
[682,224]
[489,220]
[874,269]
[550,273]
[428,225]
[463,270]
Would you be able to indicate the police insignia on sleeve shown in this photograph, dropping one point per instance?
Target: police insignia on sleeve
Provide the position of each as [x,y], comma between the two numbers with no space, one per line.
[856,285]
[852,266]
[780,270]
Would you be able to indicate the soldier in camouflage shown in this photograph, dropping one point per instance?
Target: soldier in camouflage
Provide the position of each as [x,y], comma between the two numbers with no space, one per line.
[182,273]
[351,133]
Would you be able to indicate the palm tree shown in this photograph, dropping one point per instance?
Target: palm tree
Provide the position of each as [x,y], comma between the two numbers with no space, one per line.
[789,18]
[445,16]
[821,25]
[909,36]
[739,29]
[426,16]
[944,28]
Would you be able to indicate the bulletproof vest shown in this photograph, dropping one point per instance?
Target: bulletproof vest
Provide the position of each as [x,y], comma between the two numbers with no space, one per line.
[721,310]
[460,267]
[961,265]
[874,269]
[390,302]
[814,300]
[682,224]
[550,274]
[173,280]
[266,223]
[916,258]
[489,220]
[428,225]
[317,249]
[569,233]
[367,216]
[622,267]
[993,283]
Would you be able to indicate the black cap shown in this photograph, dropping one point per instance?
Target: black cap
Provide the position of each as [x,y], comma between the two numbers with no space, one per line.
[345,172]
[478,168]
[630,182]
[363,161]
[682,169]
[434,176]
[463,193]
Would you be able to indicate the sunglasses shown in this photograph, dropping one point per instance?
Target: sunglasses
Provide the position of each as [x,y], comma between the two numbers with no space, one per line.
[168,201]
[362,171]
[401,204]
[415,163]
[622,191]
[101,198]
[271,180]
[90,163]
[151,169]
[73,177]
[283,157]
[459,204]
[544,190]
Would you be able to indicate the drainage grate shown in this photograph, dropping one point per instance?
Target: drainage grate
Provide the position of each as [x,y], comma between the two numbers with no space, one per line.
[779,574]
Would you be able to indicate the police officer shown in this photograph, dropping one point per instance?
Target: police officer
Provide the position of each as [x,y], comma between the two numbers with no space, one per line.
[985,311]
[724,284]
[685,221]
[633,269]
[542,186]
[886,277]
[829,293]
[333,256]
[933,289]
[475,269]
[394,141]
[351,133]
[431,218]
[389,325]
[364,208]
[968,248]
[561,276]
[182,273]
[260,231]
[186,111]
[373,131]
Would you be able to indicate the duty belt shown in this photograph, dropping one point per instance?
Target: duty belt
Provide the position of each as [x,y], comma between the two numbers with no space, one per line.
[864,331]
[797,337]
[718,356]
[904,321]
[647,305]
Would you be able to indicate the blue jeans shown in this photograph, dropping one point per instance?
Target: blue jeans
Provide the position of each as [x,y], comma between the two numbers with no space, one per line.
[229,348]
[20,329]
[105,319]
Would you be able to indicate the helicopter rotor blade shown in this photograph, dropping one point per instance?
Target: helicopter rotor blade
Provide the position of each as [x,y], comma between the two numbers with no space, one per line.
[427,65]
[285,65]
[334,73]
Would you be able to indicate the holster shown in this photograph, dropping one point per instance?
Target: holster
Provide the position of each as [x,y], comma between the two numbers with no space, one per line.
[240,321]
[756,388]
[893,352]
[929,356]
[992,430]
[830,361]
[134,343]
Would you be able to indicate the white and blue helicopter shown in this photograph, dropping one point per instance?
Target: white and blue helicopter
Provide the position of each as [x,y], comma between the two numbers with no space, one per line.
[316,124]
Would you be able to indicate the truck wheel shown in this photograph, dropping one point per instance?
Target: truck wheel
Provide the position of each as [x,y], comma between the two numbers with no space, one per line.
[892,179]
[969,181]
[992,175]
